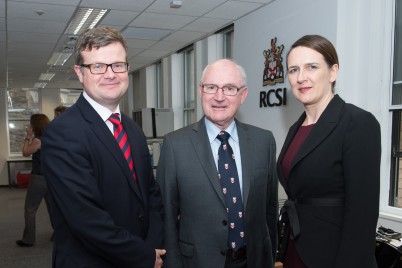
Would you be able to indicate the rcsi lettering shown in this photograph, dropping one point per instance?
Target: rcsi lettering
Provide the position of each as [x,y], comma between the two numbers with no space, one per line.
[273,97]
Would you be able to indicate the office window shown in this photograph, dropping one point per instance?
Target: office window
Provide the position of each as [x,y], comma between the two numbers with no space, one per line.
[189,87]
[21,104]
[395,193]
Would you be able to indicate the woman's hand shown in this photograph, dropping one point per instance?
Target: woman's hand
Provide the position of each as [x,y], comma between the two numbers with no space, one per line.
[29,132]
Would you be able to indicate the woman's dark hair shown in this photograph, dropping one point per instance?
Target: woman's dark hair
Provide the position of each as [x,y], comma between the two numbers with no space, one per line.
[39,123]
[320,44]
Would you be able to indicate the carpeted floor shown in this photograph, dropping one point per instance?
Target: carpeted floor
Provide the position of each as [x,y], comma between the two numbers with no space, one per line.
[11,228]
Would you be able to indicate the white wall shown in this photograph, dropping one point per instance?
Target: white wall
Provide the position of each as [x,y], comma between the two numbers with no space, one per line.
[287,20]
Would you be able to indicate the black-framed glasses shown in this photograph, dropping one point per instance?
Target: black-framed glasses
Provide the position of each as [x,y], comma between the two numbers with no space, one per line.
[101,68]
[227,90]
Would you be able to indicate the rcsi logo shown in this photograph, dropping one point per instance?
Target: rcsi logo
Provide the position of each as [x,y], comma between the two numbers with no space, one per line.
[272,75]
[273,68]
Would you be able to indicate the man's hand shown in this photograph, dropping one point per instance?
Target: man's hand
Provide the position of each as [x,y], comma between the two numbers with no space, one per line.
[158,260]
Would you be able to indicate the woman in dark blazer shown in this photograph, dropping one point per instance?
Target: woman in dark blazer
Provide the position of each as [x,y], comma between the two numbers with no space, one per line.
[329,167]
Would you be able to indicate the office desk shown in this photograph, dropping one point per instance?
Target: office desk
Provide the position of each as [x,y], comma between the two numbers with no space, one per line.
[14,160]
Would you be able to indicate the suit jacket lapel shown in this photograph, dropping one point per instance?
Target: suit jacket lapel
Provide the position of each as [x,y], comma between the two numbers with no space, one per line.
[202,147]
[103,133]
[246,152]
[324,126]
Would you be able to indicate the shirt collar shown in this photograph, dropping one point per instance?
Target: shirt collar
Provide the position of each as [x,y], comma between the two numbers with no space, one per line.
[101,110]
[213,130]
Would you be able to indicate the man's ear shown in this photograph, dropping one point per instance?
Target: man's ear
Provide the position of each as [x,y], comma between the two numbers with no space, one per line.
[78,71]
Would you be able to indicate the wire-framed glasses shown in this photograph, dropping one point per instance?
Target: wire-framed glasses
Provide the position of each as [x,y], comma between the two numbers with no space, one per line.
[228,90]
[101,68]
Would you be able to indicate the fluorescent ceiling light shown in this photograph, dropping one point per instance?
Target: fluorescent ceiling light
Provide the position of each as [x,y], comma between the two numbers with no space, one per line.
[40,85]
[46,76]
[59,58]
[85,18]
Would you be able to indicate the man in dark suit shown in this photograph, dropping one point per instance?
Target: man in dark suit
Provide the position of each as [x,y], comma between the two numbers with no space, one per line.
[197,211]
[108,208]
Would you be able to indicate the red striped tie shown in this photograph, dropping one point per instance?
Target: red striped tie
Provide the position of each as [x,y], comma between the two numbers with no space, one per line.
[121,137]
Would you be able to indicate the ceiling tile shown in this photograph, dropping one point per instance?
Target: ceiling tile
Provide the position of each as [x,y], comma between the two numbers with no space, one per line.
[232,10]
[139,43]
[137,5]
[169,45]
[155,20]
[206,24]
[119,17]
[184,36]
[35,26]
[52,2]
[26,10]
[153,53]
[145,33]
[189,7]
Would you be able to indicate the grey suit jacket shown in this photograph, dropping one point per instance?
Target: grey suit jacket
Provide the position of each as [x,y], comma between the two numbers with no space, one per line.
[196,219]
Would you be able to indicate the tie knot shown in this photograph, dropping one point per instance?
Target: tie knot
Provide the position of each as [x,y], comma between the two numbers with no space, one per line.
[114,118]
[223,136]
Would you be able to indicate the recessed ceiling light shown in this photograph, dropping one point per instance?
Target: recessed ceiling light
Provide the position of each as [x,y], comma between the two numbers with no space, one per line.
[59,58]
[85,18]
[39,85]
[46,76]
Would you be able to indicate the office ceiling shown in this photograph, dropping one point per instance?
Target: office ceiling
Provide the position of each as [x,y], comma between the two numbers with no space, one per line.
[32,30]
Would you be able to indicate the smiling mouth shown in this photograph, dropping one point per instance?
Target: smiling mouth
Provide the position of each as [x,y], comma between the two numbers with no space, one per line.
[303,89]
[218,107]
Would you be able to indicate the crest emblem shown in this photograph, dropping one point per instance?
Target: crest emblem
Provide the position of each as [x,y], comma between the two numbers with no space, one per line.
[232,180]
[273,68]
[224,190]
[234,200]
[241,234]
[240,214]
[232,225]
[226,166]
[233,244]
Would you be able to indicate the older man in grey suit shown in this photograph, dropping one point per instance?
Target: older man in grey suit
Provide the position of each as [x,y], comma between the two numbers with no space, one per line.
[200,229]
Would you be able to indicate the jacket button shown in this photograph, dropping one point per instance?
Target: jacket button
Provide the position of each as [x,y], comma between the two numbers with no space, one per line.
[141,217]
[224,222]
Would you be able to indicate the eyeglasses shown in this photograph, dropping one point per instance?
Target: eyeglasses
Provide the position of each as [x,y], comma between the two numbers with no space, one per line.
[101,68]
[228,90]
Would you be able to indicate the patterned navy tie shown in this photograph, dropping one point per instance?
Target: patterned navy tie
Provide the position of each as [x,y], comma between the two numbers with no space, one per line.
[121,137]
[229,180]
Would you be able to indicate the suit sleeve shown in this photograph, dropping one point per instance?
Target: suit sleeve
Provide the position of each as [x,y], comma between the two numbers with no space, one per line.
[361,161]
[272,197]
[166,177]
[68,161]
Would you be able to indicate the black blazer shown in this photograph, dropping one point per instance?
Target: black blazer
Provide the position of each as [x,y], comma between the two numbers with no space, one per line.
[102,218]
[340,159]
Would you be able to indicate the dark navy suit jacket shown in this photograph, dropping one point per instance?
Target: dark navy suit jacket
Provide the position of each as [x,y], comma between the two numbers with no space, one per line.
[103,218]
